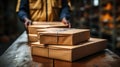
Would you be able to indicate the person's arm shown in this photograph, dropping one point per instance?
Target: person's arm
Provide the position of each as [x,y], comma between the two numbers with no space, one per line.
[23,13]
[65,13]
[24,9]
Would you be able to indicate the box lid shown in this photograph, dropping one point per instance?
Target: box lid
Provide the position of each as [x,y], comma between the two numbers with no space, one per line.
[91,41]
[47,23]
[37,44]
[33,35]
[40,26]
[59,31]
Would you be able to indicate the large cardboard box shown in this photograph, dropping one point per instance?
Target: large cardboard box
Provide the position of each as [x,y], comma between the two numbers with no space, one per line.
[39,49]
[32,29]
[69,53]
[72,53]
[64,36]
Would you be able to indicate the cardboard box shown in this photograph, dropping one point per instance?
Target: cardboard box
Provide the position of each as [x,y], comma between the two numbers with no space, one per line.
[39,49]
[32,37]
[64,36]
[69,53]
[32,29]
[72,53]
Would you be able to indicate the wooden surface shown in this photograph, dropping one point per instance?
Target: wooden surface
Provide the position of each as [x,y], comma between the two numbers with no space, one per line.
[104,58]
[19,55]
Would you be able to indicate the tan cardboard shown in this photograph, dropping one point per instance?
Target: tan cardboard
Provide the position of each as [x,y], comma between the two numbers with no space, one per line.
[64,36]
[32,28]
[32,37]
[39,49]
[47,23]
[72,53]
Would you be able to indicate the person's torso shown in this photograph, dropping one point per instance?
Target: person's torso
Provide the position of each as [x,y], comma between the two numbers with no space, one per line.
[45,10]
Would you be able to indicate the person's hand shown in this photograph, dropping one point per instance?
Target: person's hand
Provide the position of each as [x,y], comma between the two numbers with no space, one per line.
[66,22]
[27,22]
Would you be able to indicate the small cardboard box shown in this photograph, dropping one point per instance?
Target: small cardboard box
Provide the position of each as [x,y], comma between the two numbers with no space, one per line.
[64,36]
[39,49]
[32,37]
[32,29]
[72,53]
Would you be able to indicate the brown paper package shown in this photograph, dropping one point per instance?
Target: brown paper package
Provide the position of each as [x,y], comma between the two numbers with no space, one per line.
[70,53]
[64,36]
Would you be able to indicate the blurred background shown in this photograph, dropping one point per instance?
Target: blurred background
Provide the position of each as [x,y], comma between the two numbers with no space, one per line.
[102,17]
[10,25]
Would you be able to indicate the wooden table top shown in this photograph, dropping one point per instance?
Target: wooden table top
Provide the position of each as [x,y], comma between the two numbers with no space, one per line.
[104,58]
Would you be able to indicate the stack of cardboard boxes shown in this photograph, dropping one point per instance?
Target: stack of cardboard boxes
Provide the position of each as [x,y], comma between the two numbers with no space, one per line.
[67,44]
[37,27]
